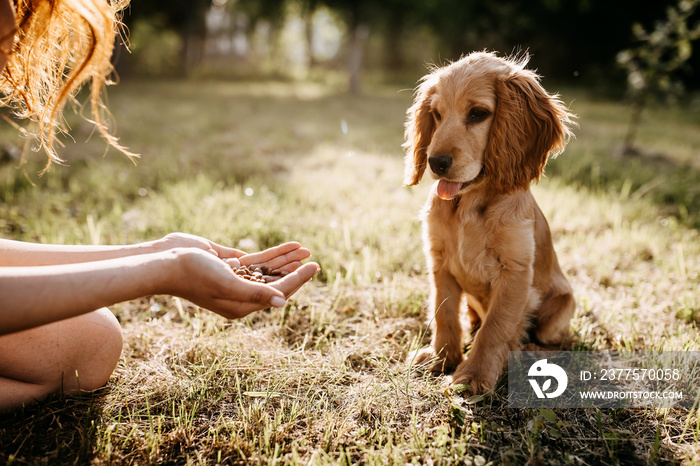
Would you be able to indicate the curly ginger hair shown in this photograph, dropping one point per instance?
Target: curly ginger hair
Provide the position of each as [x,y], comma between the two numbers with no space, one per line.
[59,46]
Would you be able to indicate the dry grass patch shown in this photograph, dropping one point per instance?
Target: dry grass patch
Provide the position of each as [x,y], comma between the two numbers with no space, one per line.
[324,380]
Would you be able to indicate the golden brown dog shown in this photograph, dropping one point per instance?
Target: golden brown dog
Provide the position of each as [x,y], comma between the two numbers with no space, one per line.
[485,127]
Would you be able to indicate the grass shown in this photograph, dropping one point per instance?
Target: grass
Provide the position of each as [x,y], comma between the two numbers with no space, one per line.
[325,380]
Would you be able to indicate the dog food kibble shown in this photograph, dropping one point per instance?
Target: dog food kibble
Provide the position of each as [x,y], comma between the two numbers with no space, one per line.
[260,274]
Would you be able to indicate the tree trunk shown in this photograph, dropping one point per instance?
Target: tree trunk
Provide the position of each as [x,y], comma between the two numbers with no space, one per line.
[394,52]
[358,39]
[636,108]
[309,33]
[192,50]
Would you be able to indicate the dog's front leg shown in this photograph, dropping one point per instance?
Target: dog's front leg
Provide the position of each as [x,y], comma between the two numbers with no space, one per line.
[445,353]
[500,332]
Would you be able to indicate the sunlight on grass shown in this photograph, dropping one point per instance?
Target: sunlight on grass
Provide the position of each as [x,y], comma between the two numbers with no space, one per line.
[325,380]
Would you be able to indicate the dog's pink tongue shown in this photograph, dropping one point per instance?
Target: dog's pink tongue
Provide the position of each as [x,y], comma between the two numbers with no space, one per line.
[447,190]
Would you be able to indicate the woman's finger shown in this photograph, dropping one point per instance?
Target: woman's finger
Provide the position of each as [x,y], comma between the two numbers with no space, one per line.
[252,296]
[226,252]
[278,262]
[289,284]
[260,294]
[273,253]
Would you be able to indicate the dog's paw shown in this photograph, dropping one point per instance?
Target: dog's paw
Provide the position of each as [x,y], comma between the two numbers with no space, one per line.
[425,358]
[473,380]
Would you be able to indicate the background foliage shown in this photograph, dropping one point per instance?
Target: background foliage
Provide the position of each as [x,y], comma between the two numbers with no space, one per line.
[575,40]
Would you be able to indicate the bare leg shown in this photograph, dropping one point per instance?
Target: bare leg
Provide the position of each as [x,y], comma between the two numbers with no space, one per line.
[70,356]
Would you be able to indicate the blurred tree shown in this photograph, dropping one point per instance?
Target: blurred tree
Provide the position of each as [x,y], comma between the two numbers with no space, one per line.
[459,25]
[390,17]
[398,13]
[582,37]
[256,11]
[565,37]
[308,8]
[394,19]
[357,14]
[653,64]
[185,17]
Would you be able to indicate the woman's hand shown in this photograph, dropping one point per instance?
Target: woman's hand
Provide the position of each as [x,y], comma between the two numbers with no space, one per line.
[185,240]
[74,280]
[209,282]
[286,256]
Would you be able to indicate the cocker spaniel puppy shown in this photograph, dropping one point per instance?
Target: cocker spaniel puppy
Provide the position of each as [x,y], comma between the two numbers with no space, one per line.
[485,127]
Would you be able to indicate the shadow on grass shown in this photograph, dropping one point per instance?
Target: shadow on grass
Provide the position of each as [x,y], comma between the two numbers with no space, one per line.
[671,185]
[662,166]
[55,431]
[566,436]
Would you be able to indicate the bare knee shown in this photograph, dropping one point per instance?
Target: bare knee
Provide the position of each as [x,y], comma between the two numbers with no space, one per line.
[71,356]
[101,350]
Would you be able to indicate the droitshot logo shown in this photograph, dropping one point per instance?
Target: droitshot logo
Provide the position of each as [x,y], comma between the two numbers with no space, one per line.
[603,379]
[546,373]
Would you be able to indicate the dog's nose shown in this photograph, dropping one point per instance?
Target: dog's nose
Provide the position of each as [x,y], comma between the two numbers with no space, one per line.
[440,164]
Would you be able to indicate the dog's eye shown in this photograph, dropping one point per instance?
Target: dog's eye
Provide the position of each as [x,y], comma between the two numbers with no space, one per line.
[437,115]
[477,115]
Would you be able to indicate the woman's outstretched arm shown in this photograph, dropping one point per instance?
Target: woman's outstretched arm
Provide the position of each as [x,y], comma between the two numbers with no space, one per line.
[36,295]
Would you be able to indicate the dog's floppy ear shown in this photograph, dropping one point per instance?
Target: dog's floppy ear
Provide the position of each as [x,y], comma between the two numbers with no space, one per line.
[420,126]
[528,126]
